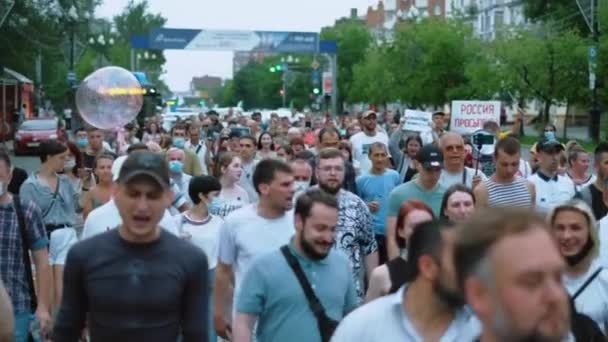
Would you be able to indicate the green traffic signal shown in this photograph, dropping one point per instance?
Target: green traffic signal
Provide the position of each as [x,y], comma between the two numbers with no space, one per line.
[279,67]
[315,91]
[272,69]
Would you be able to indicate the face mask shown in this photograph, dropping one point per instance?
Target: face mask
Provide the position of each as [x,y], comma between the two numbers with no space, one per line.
[179,142]
[69,164]
[176,166]
[573,260]
[550,136]
[301,186]
[82,142]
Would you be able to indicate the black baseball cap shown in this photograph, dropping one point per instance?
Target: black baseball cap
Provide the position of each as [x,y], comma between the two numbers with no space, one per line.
[430,157]
[549,146]
[145,163]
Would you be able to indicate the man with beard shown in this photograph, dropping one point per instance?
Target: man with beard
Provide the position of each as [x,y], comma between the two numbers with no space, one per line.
[362,140]
[510,271]
[274,296]
[427,308]
[355,229]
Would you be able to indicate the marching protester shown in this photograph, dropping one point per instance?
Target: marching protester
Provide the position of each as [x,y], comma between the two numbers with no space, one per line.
[249,160]
[585,279]
[374,188]
[426,187]
[232,196]
[199,147]
[191,162]
[23,235]
[427,308]
[201,228]
[454,171]
[504,188]
[578,168]
[551,188]
[354,231]
[594,194]
[361,141]
[458,203]
[389,277]
[290,291]
[162,279]
[58,201]
[249,232]
[101,193]
[510,271]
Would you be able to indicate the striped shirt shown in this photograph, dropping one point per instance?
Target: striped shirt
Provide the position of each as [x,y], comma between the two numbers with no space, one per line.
[514,194]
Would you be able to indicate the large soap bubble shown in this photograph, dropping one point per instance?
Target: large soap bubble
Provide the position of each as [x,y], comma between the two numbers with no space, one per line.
[109,98]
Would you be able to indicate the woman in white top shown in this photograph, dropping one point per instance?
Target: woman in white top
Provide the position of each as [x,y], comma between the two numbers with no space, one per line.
[201,228]
[578,168]
[574,228]
[266,146]
[232,196]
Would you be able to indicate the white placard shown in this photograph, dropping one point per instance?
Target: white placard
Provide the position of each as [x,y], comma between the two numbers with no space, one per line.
[469,116]
[417,121]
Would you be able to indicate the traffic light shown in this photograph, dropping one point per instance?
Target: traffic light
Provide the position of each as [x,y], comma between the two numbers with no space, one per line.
[273,69]
[316,91]
[279,67]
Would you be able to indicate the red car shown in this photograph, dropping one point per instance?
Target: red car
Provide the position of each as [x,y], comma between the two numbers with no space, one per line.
[32,132]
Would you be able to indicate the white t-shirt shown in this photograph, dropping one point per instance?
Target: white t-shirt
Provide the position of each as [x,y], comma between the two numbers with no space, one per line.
[603,237]
[448,179]
[204,234]
[385,317]
[246,235]
[593,301]
[361,142]
[551,193]
[107,217]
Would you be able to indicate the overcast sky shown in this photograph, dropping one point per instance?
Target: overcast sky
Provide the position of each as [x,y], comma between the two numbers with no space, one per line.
[271,15]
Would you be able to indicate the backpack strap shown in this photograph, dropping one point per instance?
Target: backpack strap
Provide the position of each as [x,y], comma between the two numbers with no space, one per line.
[25,250]
[587,282]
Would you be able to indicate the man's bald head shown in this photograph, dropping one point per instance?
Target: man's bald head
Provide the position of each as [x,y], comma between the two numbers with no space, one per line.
[176,154]
[449,138]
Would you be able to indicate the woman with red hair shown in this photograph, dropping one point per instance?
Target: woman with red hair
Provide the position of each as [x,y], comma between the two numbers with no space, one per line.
[389,277]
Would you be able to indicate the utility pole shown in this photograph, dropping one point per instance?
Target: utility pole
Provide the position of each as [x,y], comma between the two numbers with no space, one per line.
[595,112]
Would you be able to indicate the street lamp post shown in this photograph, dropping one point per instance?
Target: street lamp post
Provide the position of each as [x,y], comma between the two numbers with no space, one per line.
[100,43]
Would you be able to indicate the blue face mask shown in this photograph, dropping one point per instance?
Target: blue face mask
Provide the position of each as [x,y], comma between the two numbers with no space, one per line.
[179,142]
[550,135]
[82,142]
[176,166]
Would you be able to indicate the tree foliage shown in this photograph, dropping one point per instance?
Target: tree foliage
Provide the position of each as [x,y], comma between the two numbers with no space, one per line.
[353,39]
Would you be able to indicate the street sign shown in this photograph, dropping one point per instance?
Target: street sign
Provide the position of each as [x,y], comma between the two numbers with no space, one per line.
[327,84]
[227,40]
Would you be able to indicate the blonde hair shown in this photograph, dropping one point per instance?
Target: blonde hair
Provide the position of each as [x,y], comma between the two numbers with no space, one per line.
[582,208]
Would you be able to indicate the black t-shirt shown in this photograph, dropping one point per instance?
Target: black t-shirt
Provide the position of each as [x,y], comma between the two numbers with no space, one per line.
[134,292]
[597,203]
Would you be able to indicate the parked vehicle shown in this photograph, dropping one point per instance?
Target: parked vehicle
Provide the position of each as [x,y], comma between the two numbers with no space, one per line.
[32,132]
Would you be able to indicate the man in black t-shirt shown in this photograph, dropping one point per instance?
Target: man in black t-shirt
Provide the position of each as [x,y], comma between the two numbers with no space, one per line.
[137,282]
[593,194]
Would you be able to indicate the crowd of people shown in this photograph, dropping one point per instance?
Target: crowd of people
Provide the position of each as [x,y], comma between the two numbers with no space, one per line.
[304,228]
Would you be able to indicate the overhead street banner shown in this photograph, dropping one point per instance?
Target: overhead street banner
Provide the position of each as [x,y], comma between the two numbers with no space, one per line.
[469,116]
[227,40]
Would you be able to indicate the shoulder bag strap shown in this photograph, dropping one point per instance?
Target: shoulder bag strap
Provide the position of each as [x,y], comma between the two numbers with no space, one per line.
[316,306]
[25,250]
[587,282]
[464,177]
[53,200]
[198,148]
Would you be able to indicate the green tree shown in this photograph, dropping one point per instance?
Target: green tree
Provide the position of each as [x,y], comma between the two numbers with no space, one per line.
[562,15]
[548,66]
[428,60]
[353,39]
[372,81]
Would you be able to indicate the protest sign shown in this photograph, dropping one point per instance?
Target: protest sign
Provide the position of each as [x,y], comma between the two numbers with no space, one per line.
[417,121]
[469,116]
